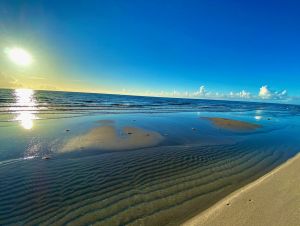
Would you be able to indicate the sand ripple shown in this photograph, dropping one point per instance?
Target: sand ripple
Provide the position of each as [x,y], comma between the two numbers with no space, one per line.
[153,186]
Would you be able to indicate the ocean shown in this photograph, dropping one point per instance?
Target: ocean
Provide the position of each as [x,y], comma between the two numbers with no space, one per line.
[80,158]
[52,102]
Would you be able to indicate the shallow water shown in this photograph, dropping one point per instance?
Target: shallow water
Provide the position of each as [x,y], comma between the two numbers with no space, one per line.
[165,184]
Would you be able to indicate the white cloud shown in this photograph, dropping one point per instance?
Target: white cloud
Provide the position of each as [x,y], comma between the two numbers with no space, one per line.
[201,92]
[240,95]
[281,94]
[244,94]
[266,93]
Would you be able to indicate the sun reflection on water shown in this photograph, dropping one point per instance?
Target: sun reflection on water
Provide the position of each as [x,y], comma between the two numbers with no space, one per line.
[25,107]
[258,115]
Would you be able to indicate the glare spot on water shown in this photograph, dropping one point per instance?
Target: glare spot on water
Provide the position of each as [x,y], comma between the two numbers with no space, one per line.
[29,157]
[258,117]
[26,120]
[25,107]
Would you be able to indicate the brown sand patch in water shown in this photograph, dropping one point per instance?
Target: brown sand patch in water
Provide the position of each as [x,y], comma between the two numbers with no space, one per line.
[231,124]
[106,121]
[107,137]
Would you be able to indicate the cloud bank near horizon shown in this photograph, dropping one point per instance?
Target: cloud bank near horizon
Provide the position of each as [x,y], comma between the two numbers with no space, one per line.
[264,93]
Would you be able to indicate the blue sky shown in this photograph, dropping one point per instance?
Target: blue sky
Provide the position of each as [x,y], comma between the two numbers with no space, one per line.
[233,49]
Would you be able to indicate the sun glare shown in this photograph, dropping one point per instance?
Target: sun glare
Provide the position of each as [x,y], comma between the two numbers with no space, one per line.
[25,107]
[19,56]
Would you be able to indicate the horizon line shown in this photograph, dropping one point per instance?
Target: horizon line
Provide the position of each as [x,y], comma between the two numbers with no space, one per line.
[170,97]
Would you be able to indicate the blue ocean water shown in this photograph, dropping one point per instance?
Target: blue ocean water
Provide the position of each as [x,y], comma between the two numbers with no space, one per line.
[196,165]
[52,102]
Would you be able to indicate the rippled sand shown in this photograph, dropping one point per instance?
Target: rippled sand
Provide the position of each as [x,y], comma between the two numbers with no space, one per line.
[153,186]
[231,124]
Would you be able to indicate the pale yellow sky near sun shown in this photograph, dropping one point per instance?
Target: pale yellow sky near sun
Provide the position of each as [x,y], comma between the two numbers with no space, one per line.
[40,74]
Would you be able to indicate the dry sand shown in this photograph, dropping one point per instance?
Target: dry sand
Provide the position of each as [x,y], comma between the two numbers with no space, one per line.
[233,124]
[272,200]
[107,137]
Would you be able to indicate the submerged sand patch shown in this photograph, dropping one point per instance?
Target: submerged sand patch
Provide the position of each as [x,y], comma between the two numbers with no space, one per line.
[106,121]
[231,124]
[273,200]
[107,137]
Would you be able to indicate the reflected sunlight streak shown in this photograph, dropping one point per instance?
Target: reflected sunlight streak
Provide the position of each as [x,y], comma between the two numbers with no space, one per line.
[25,107]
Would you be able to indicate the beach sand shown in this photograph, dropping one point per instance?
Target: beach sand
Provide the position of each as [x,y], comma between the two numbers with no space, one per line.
[231,124]
[274,199]
[107,137]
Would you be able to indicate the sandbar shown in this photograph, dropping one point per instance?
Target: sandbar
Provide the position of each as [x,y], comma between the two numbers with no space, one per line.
[108,137]
[231,124]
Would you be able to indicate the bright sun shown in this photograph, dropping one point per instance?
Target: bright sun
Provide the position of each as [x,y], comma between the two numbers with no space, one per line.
[19,56]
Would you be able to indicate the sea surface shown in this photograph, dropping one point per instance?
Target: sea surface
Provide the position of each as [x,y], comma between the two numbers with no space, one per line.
[195,165]
[51,102]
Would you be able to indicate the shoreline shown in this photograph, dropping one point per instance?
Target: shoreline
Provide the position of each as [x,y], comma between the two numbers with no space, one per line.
[167,183]
[272,199]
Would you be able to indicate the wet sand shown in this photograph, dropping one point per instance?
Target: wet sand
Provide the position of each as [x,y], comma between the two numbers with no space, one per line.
[231,124]
[158,186]
[162,185]
[107,137]
[274,199]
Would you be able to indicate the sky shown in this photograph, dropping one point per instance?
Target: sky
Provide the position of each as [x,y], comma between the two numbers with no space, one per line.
[218,49]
